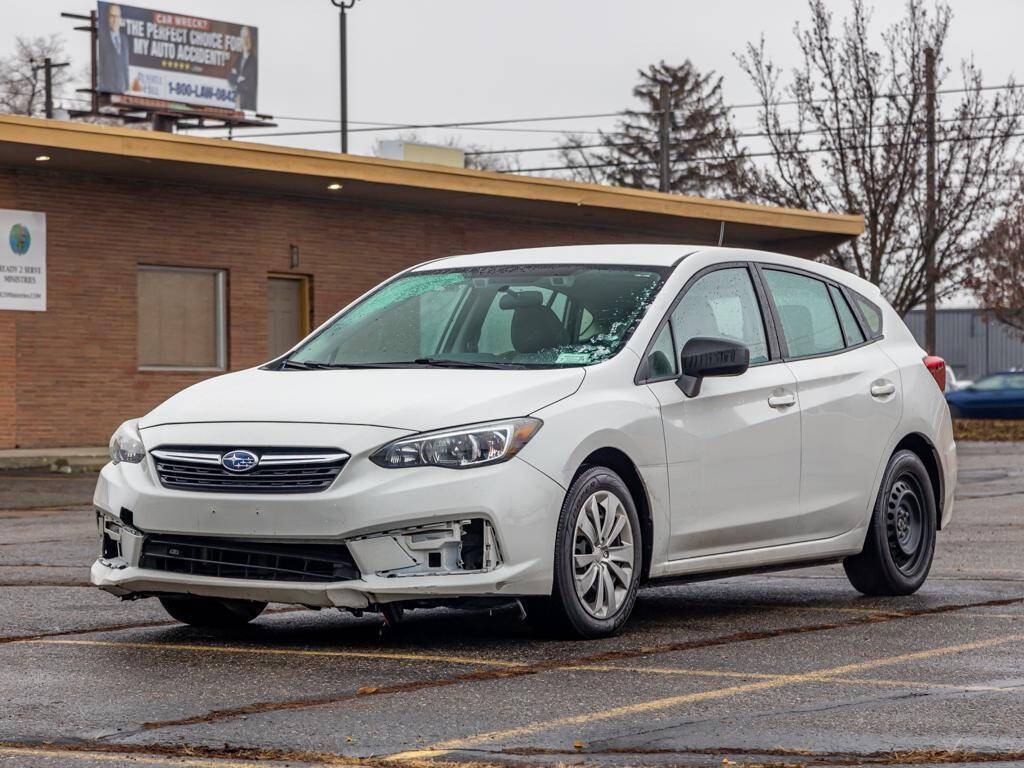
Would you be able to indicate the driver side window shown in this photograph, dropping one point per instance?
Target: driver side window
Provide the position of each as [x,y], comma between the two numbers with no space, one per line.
[722,304]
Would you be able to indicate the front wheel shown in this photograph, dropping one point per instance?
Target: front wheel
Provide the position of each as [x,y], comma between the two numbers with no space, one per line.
[212,612]
[900,544]
[597,559]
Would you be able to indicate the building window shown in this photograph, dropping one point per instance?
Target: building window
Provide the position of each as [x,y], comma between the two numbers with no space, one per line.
[181,318]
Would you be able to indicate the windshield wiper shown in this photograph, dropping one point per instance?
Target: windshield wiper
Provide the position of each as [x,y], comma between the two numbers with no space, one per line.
[438,362]
[318,366]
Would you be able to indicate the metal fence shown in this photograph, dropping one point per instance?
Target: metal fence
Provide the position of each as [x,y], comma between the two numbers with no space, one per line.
[971,343]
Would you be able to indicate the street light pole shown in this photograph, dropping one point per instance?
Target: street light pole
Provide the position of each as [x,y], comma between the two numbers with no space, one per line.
[343,6]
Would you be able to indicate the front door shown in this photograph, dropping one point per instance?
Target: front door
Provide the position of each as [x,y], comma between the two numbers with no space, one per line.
[287,313]
[733,451]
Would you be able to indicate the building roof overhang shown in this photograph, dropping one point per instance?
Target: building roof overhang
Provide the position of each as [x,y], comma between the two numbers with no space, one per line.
[82,148]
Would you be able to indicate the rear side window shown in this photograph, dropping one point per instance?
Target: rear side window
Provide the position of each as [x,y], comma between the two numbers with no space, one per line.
[809,323]
[872,314]
[851,330]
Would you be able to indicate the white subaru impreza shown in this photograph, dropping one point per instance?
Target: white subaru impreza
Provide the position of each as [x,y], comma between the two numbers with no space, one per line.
[557,426]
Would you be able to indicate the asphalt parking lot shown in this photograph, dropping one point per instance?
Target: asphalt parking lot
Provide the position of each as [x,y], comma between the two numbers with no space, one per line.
[785,669]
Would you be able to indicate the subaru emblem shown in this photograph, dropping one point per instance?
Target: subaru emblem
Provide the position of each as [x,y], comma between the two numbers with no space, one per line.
[239,461]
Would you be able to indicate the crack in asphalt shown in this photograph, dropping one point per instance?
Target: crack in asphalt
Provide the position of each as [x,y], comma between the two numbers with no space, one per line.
[259,755]
[37,583]
[532,668]
[827,707]
[807,758]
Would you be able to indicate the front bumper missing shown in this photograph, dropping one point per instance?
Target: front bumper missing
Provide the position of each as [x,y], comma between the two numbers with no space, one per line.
[456,558]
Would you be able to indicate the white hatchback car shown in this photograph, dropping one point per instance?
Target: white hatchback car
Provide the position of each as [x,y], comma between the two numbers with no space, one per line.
[557,426]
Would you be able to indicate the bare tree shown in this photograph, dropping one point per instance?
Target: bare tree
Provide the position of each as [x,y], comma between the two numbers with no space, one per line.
[998,282]
[477,156]
[704,157]
[847,133]
[22,84]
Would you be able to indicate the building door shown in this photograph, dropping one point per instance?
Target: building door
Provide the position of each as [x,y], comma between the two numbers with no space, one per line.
[287,312]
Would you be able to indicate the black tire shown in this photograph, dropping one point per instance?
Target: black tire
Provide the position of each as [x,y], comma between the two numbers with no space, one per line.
[900,543]
[955,412]
[212,612]
[564,612]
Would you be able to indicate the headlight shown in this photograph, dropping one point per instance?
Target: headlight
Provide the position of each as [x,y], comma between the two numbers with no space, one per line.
[459,448]
[126,444]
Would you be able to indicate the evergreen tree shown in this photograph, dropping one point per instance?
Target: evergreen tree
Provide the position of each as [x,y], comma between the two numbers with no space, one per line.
[704,158]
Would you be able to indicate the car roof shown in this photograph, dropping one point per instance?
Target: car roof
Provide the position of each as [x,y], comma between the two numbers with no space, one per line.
[641,255]
[634,255]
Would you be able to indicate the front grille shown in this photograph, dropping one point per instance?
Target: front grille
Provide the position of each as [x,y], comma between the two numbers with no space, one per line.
[279,470]
[243,559]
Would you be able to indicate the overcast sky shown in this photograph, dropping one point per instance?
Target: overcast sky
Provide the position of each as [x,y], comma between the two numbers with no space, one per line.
[414,61]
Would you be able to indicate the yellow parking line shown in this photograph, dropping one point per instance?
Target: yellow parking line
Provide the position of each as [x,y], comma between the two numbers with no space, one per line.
[123,758]
[282,651]
[676,671]
[672,701]
[776,676]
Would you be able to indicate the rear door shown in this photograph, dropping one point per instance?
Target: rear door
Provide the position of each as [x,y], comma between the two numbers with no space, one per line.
[850,398]
[734,449]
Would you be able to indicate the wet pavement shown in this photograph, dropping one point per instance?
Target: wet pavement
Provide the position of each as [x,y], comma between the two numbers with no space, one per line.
[792,668]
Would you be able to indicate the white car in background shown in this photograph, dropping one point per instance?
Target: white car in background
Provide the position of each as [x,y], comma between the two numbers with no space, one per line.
[557,426]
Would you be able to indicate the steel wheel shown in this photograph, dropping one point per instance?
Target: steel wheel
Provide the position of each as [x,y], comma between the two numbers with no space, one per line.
[905,521]
[602,554]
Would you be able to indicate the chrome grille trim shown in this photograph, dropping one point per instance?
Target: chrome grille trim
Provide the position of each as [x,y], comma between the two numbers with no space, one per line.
[279,470]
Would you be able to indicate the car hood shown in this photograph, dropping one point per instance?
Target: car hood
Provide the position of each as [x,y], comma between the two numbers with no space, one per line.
[414,399]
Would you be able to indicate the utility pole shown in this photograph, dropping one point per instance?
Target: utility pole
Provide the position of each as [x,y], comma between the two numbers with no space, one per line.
[343,6]
[48,66]
[929,213]
[663,139]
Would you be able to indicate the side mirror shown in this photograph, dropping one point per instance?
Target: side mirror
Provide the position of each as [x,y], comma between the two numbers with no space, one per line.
[704,356]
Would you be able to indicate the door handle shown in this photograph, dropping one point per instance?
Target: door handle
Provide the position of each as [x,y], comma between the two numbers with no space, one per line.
[882,388]
[783,400]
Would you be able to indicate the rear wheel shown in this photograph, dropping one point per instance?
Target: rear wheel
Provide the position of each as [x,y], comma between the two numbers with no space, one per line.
[900,544]
[597,559]
[212,612]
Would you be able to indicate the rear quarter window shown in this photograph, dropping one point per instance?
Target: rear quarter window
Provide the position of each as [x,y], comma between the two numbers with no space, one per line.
[871,314]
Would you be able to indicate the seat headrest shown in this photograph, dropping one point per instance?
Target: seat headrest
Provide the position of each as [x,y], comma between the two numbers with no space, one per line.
[536,327]
[517,299]
[798,325]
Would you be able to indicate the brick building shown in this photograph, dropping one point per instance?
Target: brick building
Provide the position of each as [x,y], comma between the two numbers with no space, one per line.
[237,249]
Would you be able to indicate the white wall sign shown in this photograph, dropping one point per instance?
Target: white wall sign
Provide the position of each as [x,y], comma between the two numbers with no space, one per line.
[22,260]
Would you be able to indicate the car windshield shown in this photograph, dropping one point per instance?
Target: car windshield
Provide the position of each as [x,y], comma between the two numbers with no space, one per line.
[507,316]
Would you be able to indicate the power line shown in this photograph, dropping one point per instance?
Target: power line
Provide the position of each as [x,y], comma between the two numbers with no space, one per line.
[380,125]
[802,151]
[752,135]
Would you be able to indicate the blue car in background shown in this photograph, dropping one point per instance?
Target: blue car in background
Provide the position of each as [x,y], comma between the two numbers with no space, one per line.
[997,396]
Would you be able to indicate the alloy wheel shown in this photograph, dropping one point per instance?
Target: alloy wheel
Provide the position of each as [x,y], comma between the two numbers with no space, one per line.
[602,554]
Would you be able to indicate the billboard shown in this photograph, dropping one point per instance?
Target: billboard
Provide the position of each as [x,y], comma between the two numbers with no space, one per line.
[158,56]
[23,260]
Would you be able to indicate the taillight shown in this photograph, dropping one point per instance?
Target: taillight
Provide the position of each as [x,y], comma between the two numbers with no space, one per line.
[937,368]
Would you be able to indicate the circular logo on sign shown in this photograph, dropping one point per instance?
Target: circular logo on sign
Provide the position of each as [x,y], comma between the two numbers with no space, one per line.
[20,239]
